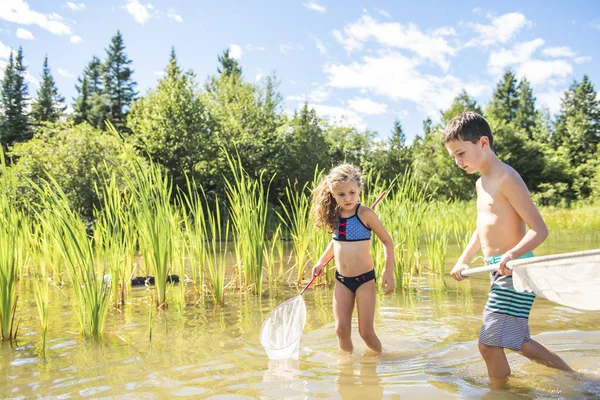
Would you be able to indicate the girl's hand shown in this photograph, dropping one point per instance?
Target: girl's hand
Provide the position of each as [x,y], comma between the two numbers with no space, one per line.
[317,270]
[388,284]
[456,271]
[502,269]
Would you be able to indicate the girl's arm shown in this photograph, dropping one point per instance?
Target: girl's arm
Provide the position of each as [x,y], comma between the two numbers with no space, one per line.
[372,221]
[327,254]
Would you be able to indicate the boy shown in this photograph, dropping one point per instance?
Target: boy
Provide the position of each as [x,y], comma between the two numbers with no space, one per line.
[504,208]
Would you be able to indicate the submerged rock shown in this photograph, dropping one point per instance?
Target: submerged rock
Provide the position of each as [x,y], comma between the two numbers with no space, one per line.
[149,280]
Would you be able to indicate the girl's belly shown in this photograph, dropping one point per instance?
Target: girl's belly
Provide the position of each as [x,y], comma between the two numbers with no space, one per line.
[353,258]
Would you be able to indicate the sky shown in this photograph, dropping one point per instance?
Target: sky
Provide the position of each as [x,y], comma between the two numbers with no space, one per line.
[364,63]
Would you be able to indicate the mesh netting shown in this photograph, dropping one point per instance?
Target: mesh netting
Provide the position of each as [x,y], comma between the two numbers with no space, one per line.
[281,331]
[571,279]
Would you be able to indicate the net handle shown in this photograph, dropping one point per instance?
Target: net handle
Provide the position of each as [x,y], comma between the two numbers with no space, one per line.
[331,258]
[526,261]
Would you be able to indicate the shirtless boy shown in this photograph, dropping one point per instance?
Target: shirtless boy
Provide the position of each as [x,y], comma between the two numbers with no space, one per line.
[504,211]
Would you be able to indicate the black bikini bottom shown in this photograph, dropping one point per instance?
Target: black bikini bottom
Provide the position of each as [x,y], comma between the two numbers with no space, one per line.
[354,282]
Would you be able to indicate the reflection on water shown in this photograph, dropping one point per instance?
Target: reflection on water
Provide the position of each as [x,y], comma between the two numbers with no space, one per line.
[429,337]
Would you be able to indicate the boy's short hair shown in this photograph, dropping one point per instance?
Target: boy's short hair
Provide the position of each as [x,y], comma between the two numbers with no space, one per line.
[468,126]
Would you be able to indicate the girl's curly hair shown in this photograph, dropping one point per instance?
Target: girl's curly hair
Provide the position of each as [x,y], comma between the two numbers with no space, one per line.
[324,209]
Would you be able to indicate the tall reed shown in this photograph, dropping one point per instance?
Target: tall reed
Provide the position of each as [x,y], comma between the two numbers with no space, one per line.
[296,218]
[156,221]
[92,294]
[216,251]
[10,222]
[248,202]
[194,228]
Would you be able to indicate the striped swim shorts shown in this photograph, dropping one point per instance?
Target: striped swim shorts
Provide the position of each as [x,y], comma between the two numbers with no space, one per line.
[506,314]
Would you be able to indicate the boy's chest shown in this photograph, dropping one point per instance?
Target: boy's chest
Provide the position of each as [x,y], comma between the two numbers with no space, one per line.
[490,199]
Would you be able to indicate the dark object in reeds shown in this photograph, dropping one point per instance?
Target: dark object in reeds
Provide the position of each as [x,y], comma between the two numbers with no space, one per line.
[149,280]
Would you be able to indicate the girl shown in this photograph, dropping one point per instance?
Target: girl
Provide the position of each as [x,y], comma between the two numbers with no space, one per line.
[335,207]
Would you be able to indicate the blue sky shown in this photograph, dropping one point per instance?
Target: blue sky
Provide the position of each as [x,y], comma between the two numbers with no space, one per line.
[364,63]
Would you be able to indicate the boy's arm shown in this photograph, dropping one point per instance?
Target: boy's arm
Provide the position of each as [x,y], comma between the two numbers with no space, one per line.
[515,190]
[327,254]
[372,221]
[472,248]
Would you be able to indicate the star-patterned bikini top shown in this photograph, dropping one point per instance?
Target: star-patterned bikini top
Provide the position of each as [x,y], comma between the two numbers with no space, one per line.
[351,229]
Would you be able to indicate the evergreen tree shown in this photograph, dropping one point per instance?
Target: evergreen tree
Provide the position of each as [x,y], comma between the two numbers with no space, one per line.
[15,122]
[505,102]
[229,66]
[462,102]
[49,105]
[118,82]
[91,104]
[526,112]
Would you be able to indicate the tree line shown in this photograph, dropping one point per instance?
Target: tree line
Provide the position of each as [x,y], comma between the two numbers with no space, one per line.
[188,127]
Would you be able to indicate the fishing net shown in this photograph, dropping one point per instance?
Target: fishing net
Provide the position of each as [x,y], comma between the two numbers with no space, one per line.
[281,331]
[570,279]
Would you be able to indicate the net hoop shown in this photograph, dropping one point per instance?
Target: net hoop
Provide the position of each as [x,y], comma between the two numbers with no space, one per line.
[272,313]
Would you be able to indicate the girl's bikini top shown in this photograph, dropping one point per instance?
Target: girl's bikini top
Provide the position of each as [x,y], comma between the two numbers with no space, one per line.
[351,229]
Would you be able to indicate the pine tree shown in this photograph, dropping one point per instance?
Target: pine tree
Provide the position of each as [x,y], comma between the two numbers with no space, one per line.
[229,66]
[578,122]
[505,102]
[49,105]
[526,113]
[15,123]
[119,85]
[91,104]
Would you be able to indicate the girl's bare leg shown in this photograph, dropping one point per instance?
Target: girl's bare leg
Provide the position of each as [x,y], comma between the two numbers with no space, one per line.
[343,305]
[365,302]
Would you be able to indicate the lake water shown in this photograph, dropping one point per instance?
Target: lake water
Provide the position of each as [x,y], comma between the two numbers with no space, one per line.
[200,351]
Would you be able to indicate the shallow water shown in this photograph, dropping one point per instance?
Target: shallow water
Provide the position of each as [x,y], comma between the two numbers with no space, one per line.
[429,337]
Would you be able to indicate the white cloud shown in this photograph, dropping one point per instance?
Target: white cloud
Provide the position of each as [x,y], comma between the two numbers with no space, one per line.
[235,51]
[396,77]
[340,116]
[65,73]
[18,11]
[581,60]
[2,68]
[317,95]
[171,14]
[395,35]
[520,53]
[563,51]
[320,46]
[139,11]
[550,99]
[31,79]
[258,77]
[538,72]
[76,39]
[24,34]
[383,12]
[596,26]
[367,106]
[75,6]
[4,51]
[285,48]
[311,5]
[444,31]
[501,30]
[160,74]
[251,47]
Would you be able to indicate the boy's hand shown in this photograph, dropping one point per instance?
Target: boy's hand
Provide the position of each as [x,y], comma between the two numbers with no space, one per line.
[456,271]
[502,269]
[388,284]
[317,270]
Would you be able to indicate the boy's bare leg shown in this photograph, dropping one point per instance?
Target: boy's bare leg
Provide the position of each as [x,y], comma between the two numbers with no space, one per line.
[538,353]
[497,365]
[343,305]
[366,297]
